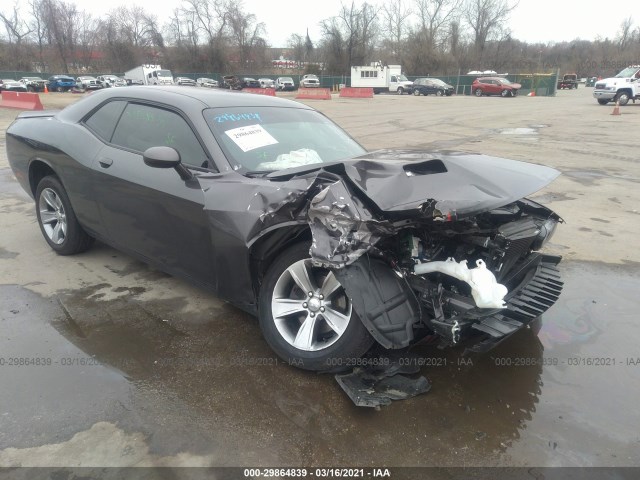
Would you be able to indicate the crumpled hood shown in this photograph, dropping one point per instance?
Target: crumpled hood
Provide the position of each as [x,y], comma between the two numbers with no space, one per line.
[458,183]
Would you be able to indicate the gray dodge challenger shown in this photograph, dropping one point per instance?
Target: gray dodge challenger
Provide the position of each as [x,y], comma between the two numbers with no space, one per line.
[271,206]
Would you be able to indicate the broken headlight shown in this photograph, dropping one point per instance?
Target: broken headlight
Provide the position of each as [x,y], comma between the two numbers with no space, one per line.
[546,232]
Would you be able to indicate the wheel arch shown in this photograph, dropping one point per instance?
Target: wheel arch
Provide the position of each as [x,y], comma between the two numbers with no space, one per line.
[38,169]
[266,248]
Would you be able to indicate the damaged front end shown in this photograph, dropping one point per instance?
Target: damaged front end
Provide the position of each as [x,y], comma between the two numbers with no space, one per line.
[464,263]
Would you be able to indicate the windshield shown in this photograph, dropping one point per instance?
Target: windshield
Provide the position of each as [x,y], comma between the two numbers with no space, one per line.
[437,81]
[164,73]
[402,78]
[627,72]
[505,81]
[267,139]
[286,79]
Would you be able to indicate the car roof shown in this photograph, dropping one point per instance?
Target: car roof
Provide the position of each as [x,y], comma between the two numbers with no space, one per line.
[179,97]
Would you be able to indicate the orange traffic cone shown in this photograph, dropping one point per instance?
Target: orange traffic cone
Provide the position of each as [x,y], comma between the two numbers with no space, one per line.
[46,90]
[532,93]
[616,109]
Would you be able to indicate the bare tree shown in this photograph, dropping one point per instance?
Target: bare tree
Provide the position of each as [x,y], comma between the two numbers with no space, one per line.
[626,33]
[433,16]
[395,17]
[62,20]
[17,31]
[354,31]
[485,18]
[211,18]
[246,35]
[38,26]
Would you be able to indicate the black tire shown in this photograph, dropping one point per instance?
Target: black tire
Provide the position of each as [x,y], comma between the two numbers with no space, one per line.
[75,240]
[602,101]
[439,93]
[622,98]
[504,93]
[59,89]
[416,92]
[478,92]
[351,344]
[400,91]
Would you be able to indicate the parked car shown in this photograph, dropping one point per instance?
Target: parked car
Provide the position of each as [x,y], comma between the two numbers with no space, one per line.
[207,82]
[431,86]
[190,82]
[494,86]
[289,218]
[285,84]
[568,81]
[267,83]
[88,83]
[10,85]
[309,81]
[248,82]
[33,84]
[61,83]
[232,82]
[591,81]
[108,81]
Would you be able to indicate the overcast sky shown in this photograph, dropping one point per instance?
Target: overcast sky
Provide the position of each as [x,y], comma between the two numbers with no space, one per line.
[531,21]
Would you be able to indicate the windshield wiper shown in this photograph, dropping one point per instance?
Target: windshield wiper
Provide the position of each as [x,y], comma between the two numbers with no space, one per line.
[258,173]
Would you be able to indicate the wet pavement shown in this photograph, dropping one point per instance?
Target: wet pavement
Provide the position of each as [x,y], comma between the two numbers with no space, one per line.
[107,362]
[204,388]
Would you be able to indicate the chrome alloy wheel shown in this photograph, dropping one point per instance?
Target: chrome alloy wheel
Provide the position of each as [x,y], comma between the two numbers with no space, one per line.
[53,216]
[309,306]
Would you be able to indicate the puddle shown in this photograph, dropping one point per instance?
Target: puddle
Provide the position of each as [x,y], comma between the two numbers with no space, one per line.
[519,131]
[205,381]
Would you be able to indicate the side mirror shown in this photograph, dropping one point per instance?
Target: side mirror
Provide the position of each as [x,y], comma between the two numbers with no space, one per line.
[166,157]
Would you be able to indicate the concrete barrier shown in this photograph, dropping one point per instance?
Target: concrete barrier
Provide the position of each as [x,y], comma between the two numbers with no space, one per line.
[314,94]
[22,100]
[261,91]
[356,92]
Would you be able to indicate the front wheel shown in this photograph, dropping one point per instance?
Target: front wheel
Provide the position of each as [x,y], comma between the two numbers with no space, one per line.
[306,316]
[57,220]
[59,89]
[504,93]
[416,92]
[438,93]
[622,98]
[400,90]
[602,101]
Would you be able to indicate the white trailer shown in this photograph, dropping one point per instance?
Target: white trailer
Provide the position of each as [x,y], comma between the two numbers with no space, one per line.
[382,78]
[149,75]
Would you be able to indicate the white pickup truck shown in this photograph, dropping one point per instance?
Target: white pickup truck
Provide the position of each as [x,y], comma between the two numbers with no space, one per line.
[623,87]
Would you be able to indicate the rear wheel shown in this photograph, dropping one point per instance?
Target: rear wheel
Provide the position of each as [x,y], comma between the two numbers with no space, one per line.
[438,93]
[57,220]
[306,316]
[478,92]
[59,89]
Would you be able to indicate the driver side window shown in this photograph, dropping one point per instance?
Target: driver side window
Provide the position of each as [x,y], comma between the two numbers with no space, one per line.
[144,126]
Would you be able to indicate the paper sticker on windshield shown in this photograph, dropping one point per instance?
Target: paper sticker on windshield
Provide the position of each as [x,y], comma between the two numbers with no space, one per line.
[251,137]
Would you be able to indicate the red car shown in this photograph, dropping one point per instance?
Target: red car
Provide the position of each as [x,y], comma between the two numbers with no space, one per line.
[494,86]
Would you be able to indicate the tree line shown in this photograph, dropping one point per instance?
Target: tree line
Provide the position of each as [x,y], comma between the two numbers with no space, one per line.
[424,36]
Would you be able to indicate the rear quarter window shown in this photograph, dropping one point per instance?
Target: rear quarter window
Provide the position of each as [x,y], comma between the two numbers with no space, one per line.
[103,121]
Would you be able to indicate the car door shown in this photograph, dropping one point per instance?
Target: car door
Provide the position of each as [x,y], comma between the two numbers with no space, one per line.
[152,211]
[492,87]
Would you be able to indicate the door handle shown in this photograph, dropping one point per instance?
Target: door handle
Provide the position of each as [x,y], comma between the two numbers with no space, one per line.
[105,162]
